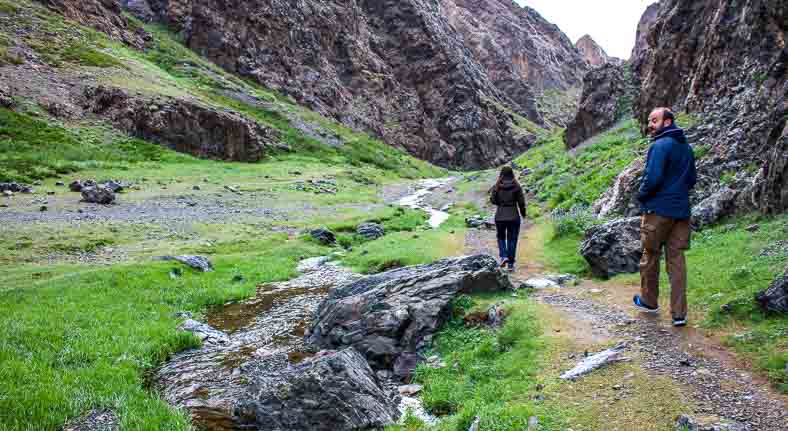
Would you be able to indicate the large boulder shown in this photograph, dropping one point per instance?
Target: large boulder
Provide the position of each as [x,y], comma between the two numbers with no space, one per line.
[715,207]
[323,236]
[335,391]
[391,317]
[621,198]
[606,99]
[98,195]
[775,298]
[613,248]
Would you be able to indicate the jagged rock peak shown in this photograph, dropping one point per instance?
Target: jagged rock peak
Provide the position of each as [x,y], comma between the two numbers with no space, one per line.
[593,54]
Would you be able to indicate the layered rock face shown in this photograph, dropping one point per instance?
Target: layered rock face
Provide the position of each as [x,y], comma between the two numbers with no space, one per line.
[592,53]
[725,63]
[523,54]
[184,126]
[604,101]
[400,70]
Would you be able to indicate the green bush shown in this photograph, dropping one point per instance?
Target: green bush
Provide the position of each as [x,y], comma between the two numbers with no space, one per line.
[575,221]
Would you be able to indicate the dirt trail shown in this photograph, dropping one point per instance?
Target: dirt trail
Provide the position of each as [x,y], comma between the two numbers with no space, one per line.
[712,377]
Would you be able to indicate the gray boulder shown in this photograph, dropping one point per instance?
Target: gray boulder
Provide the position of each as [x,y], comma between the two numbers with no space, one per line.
[480,222]
[775,298]
[613,248]
[95,420]
[98,195]
[15,188]
[370,231]
[323,236]
[390,317]
[709,211]
[334,391]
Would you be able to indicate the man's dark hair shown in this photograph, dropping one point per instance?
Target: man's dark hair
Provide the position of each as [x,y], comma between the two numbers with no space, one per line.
[667,114]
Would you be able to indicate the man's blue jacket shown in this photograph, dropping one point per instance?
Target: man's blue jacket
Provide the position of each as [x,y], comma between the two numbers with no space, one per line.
[669,175]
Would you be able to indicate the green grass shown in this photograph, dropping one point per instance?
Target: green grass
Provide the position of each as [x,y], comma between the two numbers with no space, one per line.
[33,149]
[82,340]
[562,180]
[492,375]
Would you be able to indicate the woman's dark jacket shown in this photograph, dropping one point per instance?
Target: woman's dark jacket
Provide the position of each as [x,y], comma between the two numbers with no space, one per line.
[509,197]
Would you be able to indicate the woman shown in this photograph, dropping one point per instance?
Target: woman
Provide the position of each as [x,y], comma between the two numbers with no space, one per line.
[508,196]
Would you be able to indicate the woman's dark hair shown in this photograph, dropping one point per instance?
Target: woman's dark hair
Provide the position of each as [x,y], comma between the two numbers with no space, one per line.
[507,173]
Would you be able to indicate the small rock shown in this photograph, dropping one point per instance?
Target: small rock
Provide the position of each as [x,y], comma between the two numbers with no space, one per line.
[98,195]
[60,184]
[238,279]
[204,332]
[196,188]
[533,423]
[50,193]
[43,208]
[199,263]
[753,228]
[409,390]
[323,236]
[8,193]
[176,273]
[370,231]
[475,425]
[77,185]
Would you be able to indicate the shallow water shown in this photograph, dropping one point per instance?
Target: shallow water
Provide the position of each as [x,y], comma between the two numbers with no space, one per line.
[416,200]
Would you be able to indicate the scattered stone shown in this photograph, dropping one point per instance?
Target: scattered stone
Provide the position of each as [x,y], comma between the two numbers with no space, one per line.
[479,222]
[370,231]
[15,188]
[391,316]
[77,185]
[204,332]
[613,248]
[591,363]
[753,228]
[317,186]
[409,390]
[232,189]
[43,208]
[60,184]
[196,188]
[176,273]
[296,397]
[323,236]
[116,186]
[95,420]
[775,298]
[98,195]
[8,193]
[692,423]
[779,248]
[533,423]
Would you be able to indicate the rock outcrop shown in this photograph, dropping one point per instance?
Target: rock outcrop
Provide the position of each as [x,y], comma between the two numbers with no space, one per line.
[391,317]
[621,197]
[98,195]
[775,298]
[727,65]
[613,248]
[592,53]
[185,126]
[335,391]
[440,79]
[646,23]
[103,15]
[606,99]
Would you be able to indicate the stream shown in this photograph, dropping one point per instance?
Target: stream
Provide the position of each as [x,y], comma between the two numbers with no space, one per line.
[206,381]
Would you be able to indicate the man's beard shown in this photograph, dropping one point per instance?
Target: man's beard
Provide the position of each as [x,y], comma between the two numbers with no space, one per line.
[654,132]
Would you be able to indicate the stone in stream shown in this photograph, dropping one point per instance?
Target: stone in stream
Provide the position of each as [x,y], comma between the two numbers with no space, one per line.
[323,236]
[98,195]
[335,391]
[204,332]
[775,298]
[370,231]
[613,248]
[390,317]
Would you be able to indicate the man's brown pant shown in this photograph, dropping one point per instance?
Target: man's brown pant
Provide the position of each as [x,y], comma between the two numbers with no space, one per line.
[656,230]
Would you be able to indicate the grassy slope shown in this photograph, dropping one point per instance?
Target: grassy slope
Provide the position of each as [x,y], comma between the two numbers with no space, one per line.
[725,266]
[77,336]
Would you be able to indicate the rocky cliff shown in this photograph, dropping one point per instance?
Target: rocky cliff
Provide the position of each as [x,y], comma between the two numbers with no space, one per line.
[438,79]
[592,53]
[726,65]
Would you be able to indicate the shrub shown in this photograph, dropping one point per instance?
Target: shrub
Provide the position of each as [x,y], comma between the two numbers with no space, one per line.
[574,221]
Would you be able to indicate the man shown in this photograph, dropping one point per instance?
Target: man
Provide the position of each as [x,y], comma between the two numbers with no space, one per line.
[664,196]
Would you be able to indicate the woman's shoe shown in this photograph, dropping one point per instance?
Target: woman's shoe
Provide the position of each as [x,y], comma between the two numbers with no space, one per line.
[511,267]
[504,262]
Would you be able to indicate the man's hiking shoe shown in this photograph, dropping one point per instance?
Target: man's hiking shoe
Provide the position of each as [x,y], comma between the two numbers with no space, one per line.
[642,306]
[682,321]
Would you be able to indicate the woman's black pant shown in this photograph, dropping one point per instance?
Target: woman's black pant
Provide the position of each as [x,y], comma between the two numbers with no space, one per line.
[508,232]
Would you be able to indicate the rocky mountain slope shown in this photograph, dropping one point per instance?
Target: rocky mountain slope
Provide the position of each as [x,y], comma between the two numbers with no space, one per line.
[440,80]
[594,54]
[725,66]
